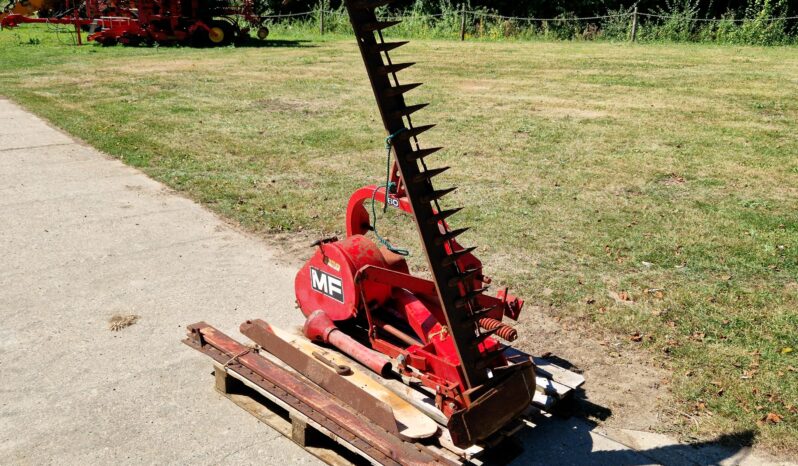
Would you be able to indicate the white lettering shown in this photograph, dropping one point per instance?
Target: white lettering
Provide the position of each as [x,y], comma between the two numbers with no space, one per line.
[319,280]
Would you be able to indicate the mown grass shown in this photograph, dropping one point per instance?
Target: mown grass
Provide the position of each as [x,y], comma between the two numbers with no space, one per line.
[668,173]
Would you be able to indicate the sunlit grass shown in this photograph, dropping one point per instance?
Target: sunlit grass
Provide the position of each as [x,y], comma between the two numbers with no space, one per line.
[669,172]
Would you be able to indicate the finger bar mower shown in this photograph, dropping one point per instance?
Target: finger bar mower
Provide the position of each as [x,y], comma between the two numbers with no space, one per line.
[444,338]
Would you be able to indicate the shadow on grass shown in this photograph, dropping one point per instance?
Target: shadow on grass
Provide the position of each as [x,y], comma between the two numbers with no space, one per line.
[582,406]
[272,43]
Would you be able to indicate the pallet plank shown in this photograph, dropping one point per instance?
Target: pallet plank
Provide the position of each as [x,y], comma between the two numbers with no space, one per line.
[413,423]
[419,399]
[559,374]
[550,387]
[280,424]
[551,378]
[297,426]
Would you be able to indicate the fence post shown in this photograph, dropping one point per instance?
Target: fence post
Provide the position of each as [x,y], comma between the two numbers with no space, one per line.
[634,24]
[321,18]
[77,28]
[462,22]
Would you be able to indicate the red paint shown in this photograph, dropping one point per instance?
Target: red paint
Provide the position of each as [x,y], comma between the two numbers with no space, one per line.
[378,292]
[339,260]
[318,327]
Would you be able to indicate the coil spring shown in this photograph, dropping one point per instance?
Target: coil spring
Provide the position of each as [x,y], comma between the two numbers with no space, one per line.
[504,331]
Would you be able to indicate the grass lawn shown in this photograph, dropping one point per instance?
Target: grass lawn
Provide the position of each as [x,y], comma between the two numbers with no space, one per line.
[648,190]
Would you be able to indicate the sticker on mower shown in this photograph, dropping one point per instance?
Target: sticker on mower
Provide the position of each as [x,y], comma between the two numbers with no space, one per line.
[392,201]
[327,284]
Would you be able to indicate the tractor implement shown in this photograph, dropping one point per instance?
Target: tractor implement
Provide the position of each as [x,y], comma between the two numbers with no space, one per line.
[424,361]
[211,23]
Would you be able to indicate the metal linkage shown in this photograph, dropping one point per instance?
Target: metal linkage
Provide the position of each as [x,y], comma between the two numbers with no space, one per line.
[455,287]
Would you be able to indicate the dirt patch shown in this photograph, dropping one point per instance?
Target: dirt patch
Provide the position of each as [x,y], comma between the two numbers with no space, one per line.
[118,322]
[624,387]
[673,179]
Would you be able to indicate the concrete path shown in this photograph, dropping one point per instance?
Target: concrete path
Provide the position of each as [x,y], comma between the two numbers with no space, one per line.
[84,237]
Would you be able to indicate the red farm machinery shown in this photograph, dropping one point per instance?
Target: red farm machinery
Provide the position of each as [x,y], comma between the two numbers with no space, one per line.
[396,367]
[133,22]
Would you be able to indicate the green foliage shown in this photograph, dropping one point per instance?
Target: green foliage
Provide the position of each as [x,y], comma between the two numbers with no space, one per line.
[678,22]
[763,23]
[758,26]
[760,22]
[617,26]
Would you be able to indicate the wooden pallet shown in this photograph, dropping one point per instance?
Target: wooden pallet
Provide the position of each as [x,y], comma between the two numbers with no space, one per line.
[288,395]
[281,417]
[313,437]
[334,450]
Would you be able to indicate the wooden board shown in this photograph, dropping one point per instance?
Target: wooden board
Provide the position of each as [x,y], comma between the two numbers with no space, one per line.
[420,398]
[412,423]
[551,388]
[292,424]
[551,379]
[559,374]
[337,451]
[553,383]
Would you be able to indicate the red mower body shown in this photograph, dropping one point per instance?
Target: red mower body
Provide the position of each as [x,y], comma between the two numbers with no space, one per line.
[369,290]
[327,281]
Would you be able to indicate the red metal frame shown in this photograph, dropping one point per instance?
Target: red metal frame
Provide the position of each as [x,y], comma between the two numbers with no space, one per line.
[378,290]
[358,221]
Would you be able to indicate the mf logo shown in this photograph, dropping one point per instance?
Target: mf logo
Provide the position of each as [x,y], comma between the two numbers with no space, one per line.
[327,284]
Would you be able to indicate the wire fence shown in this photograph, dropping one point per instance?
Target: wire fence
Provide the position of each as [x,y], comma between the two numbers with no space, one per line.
[484,14]
[615,25]
[620,25]
[719,20]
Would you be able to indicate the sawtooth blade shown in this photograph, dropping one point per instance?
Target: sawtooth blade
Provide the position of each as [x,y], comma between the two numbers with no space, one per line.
[409,110]
[480,313]
[469,296]
[465,277]
[435,195]
[413,132]
[453,257]
[394,68]
[390,98]
[429,174]
[485,335]
[421,153]
[449,235]
[443,215]
[401,89]
[378,25]
[388,46]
